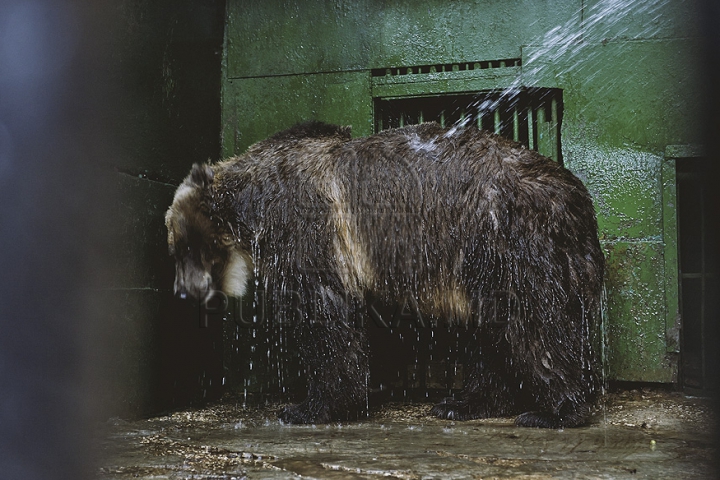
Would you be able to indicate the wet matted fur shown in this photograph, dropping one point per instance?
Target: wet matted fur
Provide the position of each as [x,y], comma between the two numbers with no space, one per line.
[444,217]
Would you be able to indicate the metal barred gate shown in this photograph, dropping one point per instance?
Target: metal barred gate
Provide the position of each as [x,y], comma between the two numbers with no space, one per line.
[531,116]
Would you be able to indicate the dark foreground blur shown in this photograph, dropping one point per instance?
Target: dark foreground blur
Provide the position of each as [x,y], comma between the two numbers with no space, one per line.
[55,126]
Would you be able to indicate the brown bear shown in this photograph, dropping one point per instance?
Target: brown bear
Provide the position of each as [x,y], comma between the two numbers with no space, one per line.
[445,217]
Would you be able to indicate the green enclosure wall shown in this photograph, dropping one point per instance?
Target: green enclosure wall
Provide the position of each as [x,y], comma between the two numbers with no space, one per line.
[631,100]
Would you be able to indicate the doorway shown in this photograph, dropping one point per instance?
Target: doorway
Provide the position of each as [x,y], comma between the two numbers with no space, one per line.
[698,278]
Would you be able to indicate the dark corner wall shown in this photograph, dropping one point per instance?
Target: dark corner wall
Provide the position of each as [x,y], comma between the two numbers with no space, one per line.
[166,61]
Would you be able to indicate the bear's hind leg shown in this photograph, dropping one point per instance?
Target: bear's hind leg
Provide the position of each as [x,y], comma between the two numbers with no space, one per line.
[564,375]
[565,391]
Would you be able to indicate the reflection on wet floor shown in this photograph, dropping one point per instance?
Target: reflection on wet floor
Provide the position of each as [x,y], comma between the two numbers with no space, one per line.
[637,434]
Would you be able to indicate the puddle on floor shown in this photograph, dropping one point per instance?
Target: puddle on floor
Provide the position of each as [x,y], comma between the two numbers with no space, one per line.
[638,434]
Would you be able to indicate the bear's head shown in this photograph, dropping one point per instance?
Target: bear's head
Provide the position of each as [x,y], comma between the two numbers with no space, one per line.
[192,238]
[207,256]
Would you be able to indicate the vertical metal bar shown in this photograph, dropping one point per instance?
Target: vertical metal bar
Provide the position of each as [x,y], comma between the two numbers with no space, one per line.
[377,116]
[531,128]
[516,124]
[496,120]
[421,117]
[541,131]
[555,130]
[442,118]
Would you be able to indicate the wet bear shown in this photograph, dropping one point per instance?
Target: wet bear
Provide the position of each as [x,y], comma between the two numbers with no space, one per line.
[445,217]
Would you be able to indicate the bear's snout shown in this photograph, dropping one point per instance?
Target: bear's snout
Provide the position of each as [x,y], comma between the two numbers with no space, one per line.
[192,282]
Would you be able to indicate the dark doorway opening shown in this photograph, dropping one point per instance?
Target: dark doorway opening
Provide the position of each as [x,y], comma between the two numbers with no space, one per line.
[698,278]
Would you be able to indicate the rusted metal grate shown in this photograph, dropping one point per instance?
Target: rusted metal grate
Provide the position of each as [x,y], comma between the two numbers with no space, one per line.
[531,116]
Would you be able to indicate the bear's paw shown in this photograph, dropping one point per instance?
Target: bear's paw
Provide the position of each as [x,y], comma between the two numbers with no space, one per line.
[303,414]
[451,409]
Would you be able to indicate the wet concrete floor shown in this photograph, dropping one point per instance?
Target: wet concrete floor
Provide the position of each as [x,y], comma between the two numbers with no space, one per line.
[635,434]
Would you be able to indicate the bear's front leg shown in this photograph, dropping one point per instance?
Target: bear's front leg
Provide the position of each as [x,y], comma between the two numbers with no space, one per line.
[332,349]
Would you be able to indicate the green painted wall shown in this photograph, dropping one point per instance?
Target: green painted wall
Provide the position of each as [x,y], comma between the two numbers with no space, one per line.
[628,71]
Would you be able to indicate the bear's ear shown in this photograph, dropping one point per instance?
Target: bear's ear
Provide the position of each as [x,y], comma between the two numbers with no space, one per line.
[202,175]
